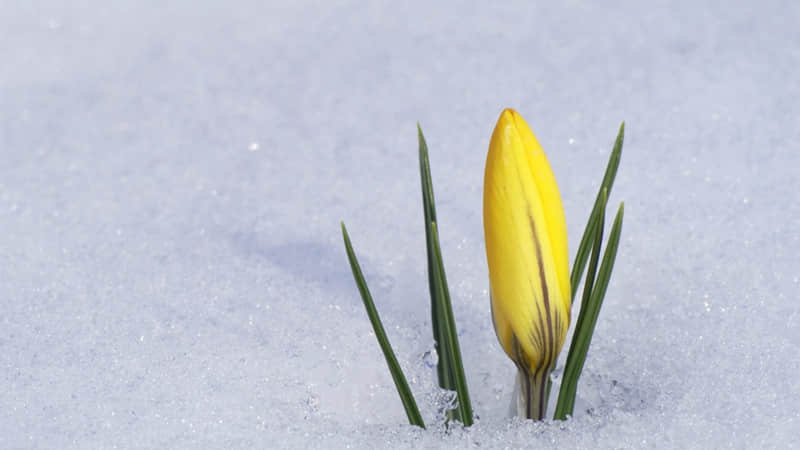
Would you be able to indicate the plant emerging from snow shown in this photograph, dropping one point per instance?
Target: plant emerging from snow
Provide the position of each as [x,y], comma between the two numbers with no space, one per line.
[532,290]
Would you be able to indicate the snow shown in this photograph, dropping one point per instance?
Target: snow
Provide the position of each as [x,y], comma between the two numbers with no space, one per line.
[172,177]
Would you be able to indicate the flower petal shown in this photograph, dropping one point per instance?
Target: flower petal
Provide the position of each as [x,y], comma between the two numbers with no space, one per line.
[526,246]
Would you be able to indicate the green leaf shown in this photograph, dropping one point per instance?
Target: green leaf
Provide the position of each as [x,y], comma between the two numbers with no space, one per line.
[464,407]
[443,369]
[591,272]
[449,367]
[582,337]
[565,401]
[410,405]
[586,241]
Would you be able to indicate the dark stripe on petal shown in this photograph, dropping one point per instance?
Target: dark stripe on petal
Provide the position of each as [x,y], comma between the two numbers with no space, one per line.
[516,350]
[540,330]
[545,293]
[537,332]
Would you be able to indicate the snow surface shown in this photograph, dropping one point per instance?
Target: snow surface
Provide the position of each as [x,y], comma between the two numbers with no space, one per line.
[172,177]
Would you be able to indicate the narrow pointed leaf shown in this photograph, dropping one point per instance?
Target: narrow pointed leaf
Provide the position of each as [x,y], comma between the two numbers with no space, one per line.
[586,329]
[569,379]
[443,369]
[586,241]
[453,355]
[410,405]
[591,271]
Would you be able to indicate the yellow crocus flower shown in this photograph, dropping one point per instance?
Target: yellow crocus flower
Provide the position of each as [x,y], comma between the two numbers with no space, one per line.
[526,250]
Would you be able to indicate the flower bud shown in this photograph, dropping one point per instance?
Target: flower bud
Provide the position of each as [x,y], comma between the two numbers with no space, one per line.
[526,250]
